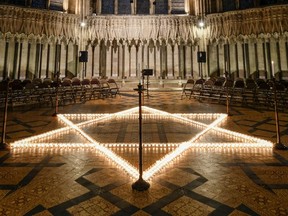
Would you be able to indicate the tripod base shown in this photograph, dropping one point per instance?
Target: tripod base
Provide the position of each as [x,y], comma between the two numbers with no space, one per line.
[4,146]
[140,185]
[280,146]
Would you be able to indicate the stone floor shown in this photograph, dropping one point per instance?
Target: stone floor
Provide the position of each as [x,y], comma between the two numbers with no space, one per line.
[202,181]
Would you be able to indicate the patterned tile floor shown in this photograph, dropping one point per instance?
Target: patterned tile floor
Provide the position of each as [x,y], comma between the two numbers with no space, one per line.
[200,182]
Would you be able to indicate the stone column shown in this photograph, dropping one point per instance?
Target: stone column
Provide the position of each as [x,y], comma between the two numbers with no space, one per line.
[10,57]
[52,57]
[109,59]
[240,59]
[176,69]
[151,56]
[274,56]
[24,53]
[252,58]
[188,61]
[172,55]
[233,60]
[98,6]
[71,64]
[267,50]
[97,60]
[89,65]
[38,59]
[2,57]
[221,58]
[181,60]
[43,57]
[115,54]
[260,55]
[212,55]
[133,61]
[32,60]
[158,62]
[140,58]
[145,56]
[63,51]
[164,54]
[283,54]
[195,66]
[121,60]
[16,60]
[126,60]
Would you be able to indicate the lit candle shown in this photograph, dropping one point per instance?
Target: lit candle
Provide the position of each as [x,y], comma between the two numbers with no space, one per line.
[273,69]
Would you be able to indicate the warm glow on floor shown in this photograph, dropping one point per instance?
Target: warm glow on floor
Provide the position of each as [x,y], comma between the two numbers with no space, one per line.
[243,141]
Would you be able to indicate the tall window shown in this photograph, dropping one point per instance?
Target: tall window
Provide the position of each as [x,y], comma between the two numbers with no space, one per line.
[124,7]
[229,5]
[246,4]
[268,2]
[161,6]
[177,7]
[107,7]
[56,5]
[143,6]
[38,4]
[14,2]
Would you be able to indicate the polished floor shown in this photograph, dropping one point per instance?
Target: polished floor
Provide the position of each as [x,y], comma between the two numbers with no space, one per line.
[201,181]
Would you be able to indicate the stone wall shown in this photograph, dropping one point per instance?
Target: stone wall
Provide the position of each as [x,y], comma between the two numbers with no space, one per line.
[37,43]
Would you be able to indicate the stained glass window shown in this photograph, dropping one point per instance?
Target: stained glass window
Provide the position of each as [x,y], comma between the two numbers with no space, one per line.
[143,6]
[107,7]
[56,5]
[178,7]
[124,7]
[161,6]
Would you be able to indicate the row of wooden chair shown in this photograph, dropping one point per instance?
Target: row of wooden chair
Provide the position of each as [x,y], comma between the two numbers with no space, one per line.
[39,91]
[247,92]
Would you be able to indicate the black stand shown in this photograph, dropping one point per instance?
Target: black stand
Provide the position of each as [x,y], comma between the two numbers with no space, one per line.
[201,70]
[3,144]
[56,99]
[84,70]
[227,100]
[278,145]
[140,184]
[147,84]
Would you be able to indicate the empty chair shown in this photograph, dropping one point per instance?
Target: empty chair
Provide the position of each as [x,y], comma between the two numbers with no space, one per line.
[249,93]
[3,90]
[46,93]
[17,95]
[249,80]
[96,88]
[227,90]
[206,90]
[105,88]
[47,81]
[37,81]
[197,88]
[238,89]
[87,89]
[66,92]
[24,82]
[259,81]
[114,89]
[187,88]
[77,89]
[239,83]
[263,95]
[217,89]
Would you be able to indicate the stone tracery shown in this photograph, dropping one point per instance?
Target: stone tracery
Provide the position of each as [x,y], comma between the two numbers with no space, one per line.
[126,33]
